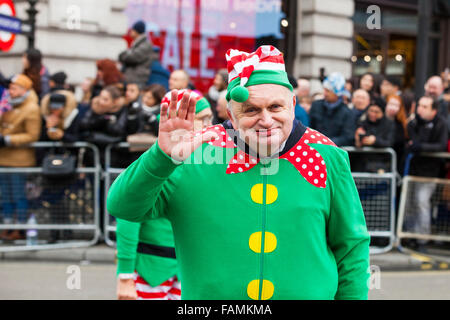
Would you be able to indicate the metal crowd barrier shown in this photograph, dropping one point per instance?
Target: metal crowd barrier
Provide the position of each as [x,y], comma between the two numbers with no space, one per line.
[68,210]
[110,174]
[424,210]
[377,191]
[76,208]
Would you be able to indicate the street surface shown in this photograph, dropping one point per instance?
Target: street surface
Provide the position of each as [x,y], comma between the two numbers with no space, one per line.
[72,281]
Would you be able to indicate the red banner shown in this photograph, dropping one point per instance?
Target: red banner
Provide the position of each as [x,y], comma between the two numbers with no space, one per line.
[194,35]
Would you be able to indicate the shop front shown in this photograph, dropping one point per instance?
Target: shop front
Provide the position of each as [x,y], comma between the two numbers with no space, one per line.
[194,35]
[409,43]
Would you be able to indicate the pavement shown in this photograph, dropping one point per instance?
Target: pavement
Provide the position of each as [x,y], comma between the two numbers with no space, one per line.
[393,260]
[90,274]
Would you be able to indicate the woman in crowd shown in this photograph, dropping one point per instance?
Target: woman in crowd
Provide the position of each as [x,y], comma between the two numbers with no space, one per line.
[151,100]
[369,83]
[35,70]
[409,103]
[374,130]
[61,123]
[86,90]
[219,85]
[146,122]
[395,111]
[106,121]
[107,74]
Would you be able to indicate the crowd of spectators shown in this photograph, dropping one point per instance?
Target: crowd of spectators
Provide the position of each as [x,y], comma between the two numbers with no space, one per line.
[121,103]
[377,112]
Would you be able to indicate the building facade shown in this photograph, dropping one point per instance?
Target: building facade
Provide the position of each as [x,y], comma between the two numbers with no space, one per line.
[71,35]
[404,38]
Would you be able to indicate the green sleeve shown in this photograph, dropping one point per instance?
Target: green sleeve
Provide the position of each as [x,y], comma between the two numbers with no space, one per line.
[347,233]
[142,191]
[127,236]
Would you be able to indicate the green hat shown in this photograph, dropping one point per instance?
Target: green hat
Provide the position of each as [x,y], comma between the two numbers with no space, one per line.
[201,104]
[265,65]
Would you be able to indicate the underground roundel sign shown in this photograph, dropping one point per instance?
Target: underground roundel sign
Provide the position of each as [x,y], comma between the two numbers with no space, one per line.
[6,38]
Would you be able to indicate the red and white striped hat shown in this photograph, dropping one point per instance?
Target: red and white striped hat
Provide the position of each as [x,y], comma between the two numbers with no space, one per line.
[265,65]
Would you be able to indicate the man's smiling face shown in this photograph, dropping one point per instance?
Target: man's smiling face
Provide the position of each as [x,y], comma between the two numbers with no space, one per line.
[265,120]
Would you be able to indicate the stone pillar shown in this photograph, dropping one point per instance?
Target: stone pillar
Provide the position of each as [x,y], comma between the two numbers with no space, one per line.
[324,39]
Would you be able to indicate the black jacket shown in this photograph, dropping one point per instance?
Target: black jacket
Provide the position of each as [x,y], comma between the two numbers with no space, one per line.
[383,130]
[336,123]
[427,136]
[103,129]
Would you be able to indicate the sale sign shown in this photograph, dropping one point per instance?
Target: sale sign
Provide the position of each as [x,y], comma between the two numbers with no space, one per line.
[194,35]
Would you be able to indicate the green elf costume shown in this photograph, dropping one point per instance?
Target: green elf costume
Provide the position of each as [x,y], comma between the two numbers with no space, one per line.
[145,251]
[285,227]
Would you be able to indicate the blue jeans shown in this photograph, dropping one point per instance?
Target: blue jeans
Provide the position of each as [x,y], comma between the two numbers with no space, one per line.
[13,196]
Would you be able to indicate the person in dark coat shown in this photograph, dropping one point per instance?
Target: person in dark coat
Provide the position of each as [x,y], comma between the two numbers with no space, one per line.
[36,71]
[219,85]
[434,88]
[61,117]
[151,101]
[360,101]
[146,121]
[107,74]
[300,113]
[428,133]
[106,122]
[158,74]
[136,60]
[331,116]
[376,131]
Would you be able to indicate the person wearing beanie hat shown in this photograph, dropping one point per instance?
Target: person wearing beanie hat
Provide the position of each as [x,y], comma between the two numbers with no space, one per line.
[331,115]
[58,80]
[19,126]
[60,111]
[139,27]
[249,222]
[264,66]
[137,59]
[57,101]
[335,83]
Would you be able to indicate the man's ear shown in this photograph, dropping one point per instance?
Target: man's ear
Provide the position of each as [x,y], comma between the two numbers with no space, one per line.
[230,116]
[294,100]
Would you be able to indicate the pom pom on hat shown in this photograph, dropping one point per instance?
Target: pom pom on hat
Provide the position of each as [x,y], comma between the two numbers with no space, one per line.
[239,94]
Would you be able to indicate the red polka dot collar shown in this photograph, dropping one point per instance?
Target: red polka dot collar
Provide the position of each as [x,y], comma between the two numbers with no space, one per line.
[304,158]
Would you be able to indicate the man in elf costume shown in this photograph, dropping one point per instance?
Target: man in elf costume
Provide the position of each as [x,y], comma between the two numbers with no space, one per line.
[261,206]
[146,264]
